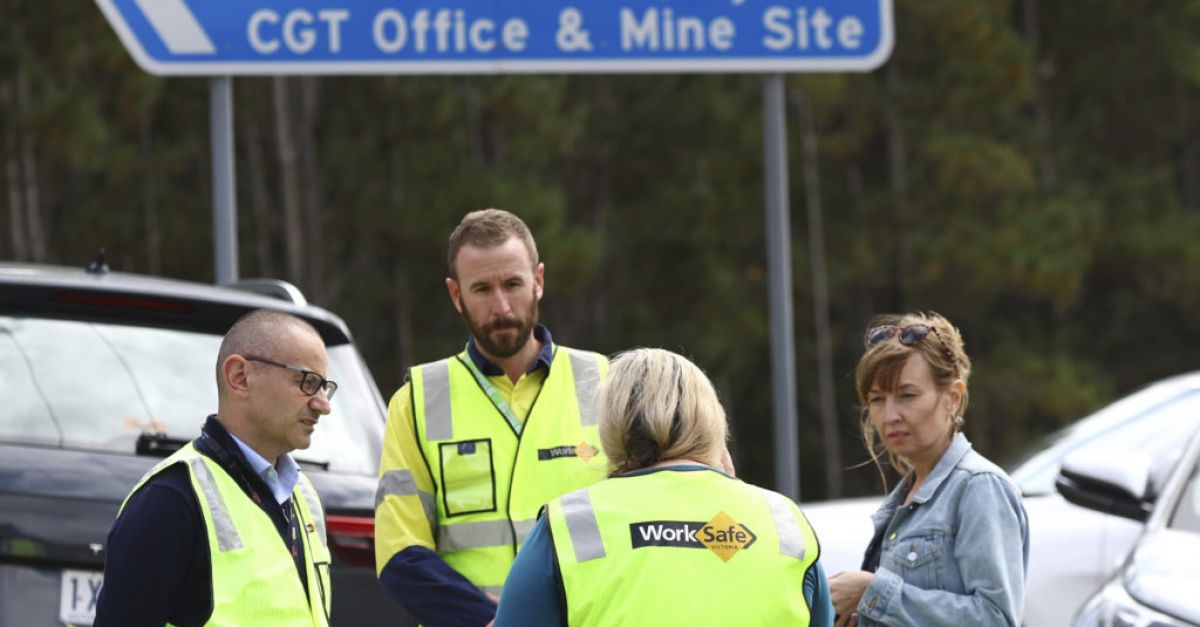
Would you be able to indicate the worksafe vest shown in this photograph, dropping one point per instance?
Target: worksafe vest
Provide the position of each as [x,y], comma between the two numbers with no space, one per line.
[254,578]
[681,547]
[491,478]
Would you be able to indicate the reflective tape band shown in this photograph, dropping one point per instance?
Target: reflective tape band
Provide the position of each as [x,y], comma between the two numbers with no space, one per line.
[581,524]
[401,483]
[476,535]
[227,534]
[587,379]
[436,383]
[523,528]
[791,539]
[314,507]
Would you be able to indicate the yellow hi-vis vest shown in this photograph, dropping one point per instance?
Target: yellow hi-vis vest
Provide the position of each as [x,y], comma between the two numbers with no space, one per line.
[254,579]
[490,482]
[681,547]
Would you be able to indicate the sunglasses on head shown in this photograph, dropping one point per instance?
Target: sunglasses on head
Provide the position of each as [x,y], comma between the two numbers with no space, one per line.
[909,335]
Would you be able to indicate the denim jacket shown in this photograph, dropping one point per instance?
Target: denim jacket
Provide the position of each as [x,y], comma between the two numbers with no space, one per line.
[957,555]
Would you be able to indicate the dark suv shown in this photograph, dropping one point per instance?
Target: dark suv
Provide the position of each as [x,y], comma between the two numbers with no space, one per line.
[104,373]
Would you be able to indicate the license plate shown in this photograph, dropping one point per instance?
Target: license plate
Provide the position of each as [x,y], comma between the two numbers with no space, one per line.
[80,591]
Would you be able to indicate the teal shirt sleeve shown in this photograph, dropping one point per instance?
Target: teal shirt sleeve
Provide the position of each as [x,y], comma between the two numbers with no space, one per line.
[816,593]
[530,597]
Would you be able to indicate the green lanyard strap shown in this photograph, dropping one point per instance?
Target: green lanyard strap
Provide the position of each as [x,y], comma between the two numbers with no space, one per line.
[492,393]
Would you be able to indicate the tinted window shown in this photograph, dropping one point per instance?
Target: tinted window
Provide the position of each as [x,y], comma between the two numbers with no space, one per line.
[98,386]
[1149,422]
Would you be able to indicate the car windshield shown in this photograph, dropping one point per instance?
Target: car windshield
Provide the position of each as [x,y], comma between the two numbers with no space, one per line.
[1155,422]
[99,386]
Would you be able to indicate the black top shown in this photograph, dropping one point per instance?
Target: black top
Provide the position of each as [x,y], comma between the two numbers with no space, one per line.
[156,567]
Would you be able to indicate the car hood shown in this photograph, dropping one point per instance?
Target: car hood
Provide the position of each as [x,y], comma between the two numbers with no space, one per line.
[1162,573]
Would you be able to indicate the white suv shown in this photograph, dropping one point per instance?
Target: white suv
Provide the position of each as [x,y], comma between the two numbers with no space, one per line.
[1073,550]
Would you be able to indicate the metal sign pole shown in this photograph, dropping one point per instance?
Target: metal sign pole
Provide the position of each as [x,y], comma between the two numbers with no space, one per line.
[224,197]
[779,284]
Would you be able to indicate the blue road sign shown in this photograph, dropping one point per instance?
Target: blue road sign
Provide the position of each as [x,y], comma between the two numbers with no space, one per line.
[232,37]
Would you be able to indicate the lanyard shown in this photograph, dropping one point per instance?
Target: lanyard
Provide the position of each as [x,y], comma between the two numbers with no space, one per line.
[496,397]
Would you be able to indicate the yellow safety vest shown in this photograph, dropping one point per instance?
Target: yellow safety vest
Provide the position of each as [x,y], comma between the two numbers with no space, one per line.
[254,579]
[674,547]
[490,482]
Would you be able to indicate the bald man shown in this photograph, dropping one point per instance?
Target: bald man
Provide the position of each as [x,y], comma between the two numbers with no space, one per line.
[198,539]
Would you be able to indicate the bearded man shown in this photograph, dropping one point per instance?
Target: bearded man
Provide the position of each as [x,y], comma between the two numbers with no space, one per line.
[476,443]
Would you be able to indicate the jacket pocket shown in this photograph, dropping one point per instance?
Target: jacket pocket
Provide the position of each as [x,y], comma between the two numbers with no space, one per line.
[917,558]
[468,477]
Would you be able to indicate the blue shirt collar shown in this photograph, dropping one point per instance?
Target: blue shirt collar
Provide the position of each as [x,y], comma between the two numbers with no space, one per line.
[540,333]
[280,477]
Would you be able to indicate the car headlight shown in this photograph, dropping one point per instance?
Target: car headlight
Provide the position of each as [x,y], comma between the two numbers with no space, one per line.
[1113,607]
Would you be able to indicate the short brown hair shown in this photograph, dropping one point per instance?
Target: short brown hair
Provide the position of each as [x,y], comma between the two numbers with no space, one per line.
[881,364]
[655,406]
[487,228]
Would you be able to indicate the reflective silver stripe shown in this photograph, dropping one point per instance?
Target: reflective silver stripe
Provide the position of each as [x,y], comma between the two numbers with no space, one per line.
[227,535]
[587,378]
[314,507]
[492,590]
[581,524]
[401,483]
[436,383]
[523,527]
[791,539]
[476,535]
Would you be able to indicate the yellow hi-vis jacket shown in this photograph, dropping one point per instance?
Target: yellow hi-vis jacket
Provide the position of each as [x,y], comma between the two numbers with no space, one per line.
[254,578]
[681,547]
[485,481]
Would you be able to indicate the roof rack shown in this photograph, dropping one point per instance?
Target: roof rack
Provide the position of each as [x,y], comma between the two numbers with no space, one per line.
[275,288]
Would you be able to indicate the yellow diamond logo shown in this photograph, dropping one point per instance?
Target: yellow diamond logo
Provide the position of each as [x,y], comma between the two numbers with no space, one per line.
[586,451]
[725,536]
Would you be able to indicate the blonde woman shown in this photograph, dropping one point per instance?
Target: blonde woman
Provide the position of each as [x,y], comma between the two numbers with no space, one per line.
[670,538]
[951,544]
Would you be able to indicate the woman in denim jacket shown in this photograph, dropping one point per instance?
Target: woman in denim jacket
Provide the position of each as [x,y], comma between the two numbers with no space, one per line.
[951,543]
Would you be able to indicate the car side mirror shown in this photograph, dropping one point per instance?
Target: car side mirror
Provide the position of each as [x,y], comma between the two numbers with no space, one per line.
[1109,481]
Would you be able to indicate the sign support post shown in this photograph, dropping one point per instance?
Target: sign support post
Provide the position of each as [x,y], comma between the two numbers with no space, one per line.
[225,245]
[779,287]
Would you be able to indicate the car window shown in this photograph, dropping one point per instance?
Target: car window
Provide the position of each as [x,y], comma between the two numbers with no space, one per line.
[1153,423]
[1187,512]
[98,386]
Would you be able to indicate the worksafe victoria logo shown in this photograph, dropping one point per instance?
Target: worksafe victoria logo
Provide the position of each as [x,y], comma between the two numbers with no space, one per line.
[722,535]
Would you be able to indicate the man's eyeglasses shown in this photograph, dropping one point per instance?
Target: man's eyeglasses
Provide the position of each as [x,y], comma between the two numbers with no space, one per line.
[310,382]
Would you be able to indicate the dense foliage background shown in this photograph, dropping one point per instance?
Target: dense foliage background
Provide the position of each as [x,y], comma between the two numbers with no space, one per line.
[1030,169]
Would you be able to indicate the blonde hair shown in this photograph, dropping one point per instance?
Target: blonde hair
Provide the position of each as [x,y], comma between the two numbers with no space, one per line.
[881,364]
[656,406]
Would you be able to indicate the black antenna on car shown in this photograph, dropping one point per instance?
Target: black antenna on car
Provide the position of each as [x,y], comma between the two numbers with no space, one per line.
[97,266]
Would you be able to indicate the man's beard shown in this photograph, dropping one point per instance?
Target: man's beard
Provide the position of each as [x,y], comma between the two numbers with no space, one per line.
[501,347]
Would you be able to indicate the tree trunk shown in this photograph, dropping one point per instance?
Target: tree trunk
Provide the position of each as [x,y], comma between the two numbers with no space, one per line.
[1043,72]
[29,183]
[149,209]
[816,251]
[289,180]
[898,179]
[259,200]
[12,176]
[317,239]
